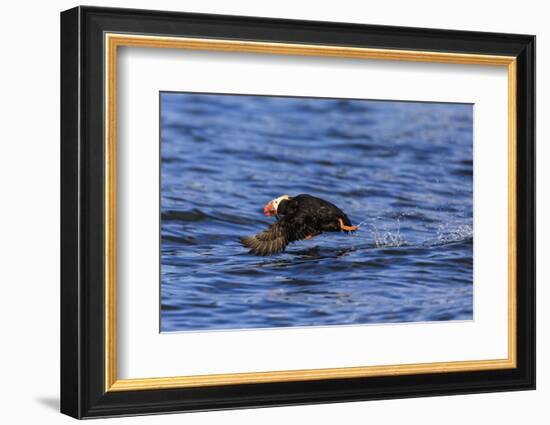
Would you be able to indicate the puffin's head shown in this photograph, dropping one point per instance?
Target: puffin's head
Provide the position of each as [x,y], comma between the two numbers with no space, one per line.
[271,207]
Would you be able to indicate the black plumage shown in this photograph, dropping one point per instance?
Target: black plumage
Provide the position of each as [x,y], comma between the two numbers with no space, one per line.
[299,217]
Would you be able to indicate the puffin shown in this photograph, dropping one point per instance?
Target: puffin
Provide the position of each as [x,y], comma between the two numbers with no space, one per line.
[298,217]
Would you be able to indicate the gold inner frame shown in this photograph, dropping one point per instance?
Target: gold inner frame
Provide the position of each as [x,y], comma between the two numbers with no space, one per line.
[113,41]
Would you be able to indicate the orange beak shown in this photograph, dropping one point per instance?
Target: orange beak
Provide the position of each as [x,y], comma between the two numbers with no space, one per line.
[269,210]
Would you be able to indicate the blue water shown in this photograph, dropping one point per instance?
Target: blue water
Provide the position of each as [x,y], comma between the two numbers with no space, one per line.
[403,169]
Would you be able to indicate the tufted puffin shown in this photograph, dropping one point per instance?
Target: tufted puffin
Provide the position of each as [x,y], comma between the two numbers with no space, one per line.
[298,217]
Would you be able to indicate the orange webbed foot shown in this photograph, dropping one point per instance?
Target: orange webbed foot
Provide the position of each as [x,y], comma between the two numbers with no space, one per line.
[347,228]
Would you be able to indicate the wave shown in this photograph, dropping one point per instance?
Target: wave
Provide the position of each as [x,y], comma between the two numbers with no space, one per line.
[191,215]
[196,214]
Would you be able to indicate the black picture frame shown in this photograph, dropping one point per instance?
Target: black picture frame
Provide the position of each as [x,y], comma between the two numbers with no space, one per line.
[83,392]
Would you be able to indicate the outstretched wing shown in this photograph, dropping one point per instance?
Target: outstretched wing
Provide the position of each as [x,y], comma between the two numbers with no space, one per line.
[278,235]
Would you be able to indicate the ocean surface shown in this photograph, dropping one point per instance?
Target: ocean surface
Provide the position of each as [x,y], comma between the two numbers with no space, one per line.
[403,170]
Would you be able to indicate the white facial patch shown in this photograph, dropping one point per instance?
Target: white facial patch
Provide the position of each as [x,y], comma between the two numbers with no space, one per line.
[278,200]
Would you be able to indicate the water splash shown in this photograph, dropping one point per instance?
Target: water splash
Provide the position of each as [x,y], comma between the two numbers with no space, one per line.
[447,233]
[363,222]
[387,239]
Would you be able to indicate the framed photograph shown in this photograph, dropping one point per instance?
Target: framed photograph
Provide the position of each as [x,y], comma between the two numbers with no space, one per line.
[261,212]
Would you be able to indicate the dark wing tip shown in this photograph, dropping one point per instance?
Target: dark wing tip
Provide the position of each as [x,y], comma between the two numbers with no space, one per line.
[245,241]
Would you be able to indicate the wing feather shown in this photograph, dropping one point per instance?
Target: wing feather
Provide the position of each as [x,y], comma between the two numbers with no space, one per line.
[277,236]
